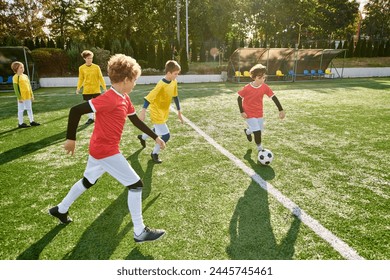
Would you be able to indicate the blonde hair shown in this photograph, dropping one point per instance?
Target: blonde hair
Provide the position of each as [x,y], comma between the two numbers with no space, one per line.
[172,66]
[259,70]
[86,53]
[121,66]
[15,66]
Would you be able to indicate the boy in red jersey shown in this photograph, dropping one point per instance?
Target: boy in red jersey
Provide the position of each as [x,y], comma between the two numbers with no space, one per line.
[111,109]
[250,102]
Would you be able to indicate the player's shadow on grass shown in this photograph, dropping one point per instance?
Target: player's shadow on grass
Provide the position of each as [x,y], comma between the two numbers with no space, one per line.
[103,236]
[33,252]
[265,172]
[251,233]
[32,147]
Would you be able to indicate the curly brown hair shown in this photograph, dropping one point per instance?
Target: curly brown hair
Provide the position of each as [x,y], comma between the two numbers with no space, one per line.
[121,66]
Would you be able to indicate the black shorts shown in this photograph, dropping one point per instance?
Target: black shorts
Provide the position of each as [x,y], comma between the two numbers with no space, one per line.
[87,97]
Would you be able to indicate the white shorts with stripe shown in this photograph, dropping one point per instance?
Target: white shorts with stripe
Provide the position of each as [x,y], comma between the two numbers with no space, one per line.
[117,166]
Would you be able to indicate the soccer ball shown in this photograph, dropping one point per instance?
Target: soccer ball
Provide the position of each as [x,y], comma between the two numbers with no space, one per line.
[265,157]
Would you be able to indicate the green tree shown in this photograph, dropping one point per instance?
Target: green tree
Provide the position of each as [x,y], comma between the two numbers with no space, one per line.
[151,55]
[66,17]
[184,61]
[376,23]
[116,47]
[160,63]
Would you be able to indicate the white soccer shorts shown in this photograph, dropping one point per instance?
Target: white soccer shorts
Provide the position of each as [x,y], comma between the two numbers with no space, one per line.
[255,124]
[117,166]
[161,129]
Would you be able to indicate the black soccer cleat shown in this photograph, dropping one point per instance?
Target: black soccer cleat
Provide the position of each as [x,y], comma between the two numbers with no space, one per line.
[23,125]
[142,141]
[155,158]
[249,137]
[149,234]
[34,123]
[64,218]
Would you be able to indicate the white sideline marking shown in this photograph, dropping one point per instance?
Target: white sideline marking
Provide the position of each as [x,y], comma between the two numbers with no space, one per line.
[339,245]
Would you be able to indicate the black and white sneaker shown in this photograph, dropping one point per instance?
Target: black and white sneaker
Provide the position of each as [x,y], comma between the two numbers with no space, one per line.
[64,219]
[249,137]
[155,158]
[142,141]
[148,235]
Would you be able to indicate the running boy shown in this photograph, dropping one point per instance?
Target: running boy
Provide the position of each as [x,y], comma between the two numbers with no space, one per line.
[160,99]
[91,79]
[24,94]
[111,110]
[250,102]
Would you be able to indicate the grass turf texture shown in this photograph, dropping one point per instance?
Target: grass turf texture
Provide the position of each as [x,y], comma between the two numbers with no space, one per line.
[331,159]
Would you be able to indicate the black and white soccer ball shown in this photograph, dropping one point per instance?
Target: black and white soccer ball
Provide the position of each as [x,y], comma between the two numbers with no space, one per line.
[265,157]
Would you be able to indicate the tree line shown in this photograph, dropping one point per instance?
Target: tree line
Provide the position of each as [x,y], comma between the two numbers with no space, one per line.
[154,30]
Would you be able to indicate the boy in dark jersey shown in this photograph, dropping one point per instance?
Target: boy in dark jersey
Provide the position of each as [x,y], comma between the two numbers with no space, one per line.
[111,109]
[250,103]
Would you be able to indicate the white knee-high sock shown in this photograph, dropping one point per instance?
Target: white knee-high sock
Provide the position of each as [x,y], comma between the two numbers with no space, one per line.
[91,116]
[134,202]
[72,195]
[144,136]
[156,149]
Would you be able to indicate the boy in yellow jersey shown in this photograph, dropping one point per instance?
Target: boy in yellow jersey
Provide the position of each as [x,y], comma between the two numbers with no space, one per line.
[24,94]
[90,79]
[159,101]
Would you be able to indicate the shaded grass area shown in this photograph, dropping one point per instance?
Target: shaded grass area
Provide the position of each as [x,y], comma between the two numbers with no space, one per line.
[331,159]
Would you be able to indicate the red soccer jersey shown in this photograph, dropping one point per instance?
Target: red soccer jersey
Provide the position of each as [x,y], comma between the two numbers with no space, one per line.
[252,102]
[112,109]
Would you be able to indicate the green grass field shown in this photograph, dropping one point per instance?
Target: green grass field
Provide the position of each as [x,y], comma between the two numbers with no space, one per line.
[332,155]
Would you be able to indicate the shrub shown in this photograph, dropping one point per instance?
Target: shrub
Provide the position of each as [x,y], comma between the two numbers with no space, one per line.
[101,57]
[50,62]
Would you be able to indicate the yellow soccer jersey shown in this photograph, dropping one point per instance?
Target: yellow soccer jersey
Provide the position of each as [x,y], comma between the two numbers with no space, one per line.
[160,99]
[22,87]
[90,78]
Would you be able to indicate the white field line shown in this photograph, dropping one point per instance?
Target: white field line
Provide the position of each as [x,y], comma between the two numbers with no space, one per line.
[339,245]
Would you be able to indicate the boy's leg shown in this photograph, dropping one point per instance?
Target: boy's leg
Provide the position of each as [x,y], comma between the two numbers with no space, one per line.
[256,126]
[91,116]
[20,113]
[92,172]
[163,130]
[258,140]
[28,106]
[119,168]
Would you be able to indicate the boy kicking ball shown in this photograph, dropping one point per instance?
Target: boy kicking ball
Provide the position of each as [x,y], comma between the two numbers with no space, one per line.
[250,103]
[111,109]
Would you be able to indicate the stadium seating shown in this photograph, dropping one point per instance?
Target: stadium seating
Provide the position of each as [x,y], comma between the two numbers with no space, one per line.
[279,74]
[9,80]
[320,73]
[306,73]
[329,73]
